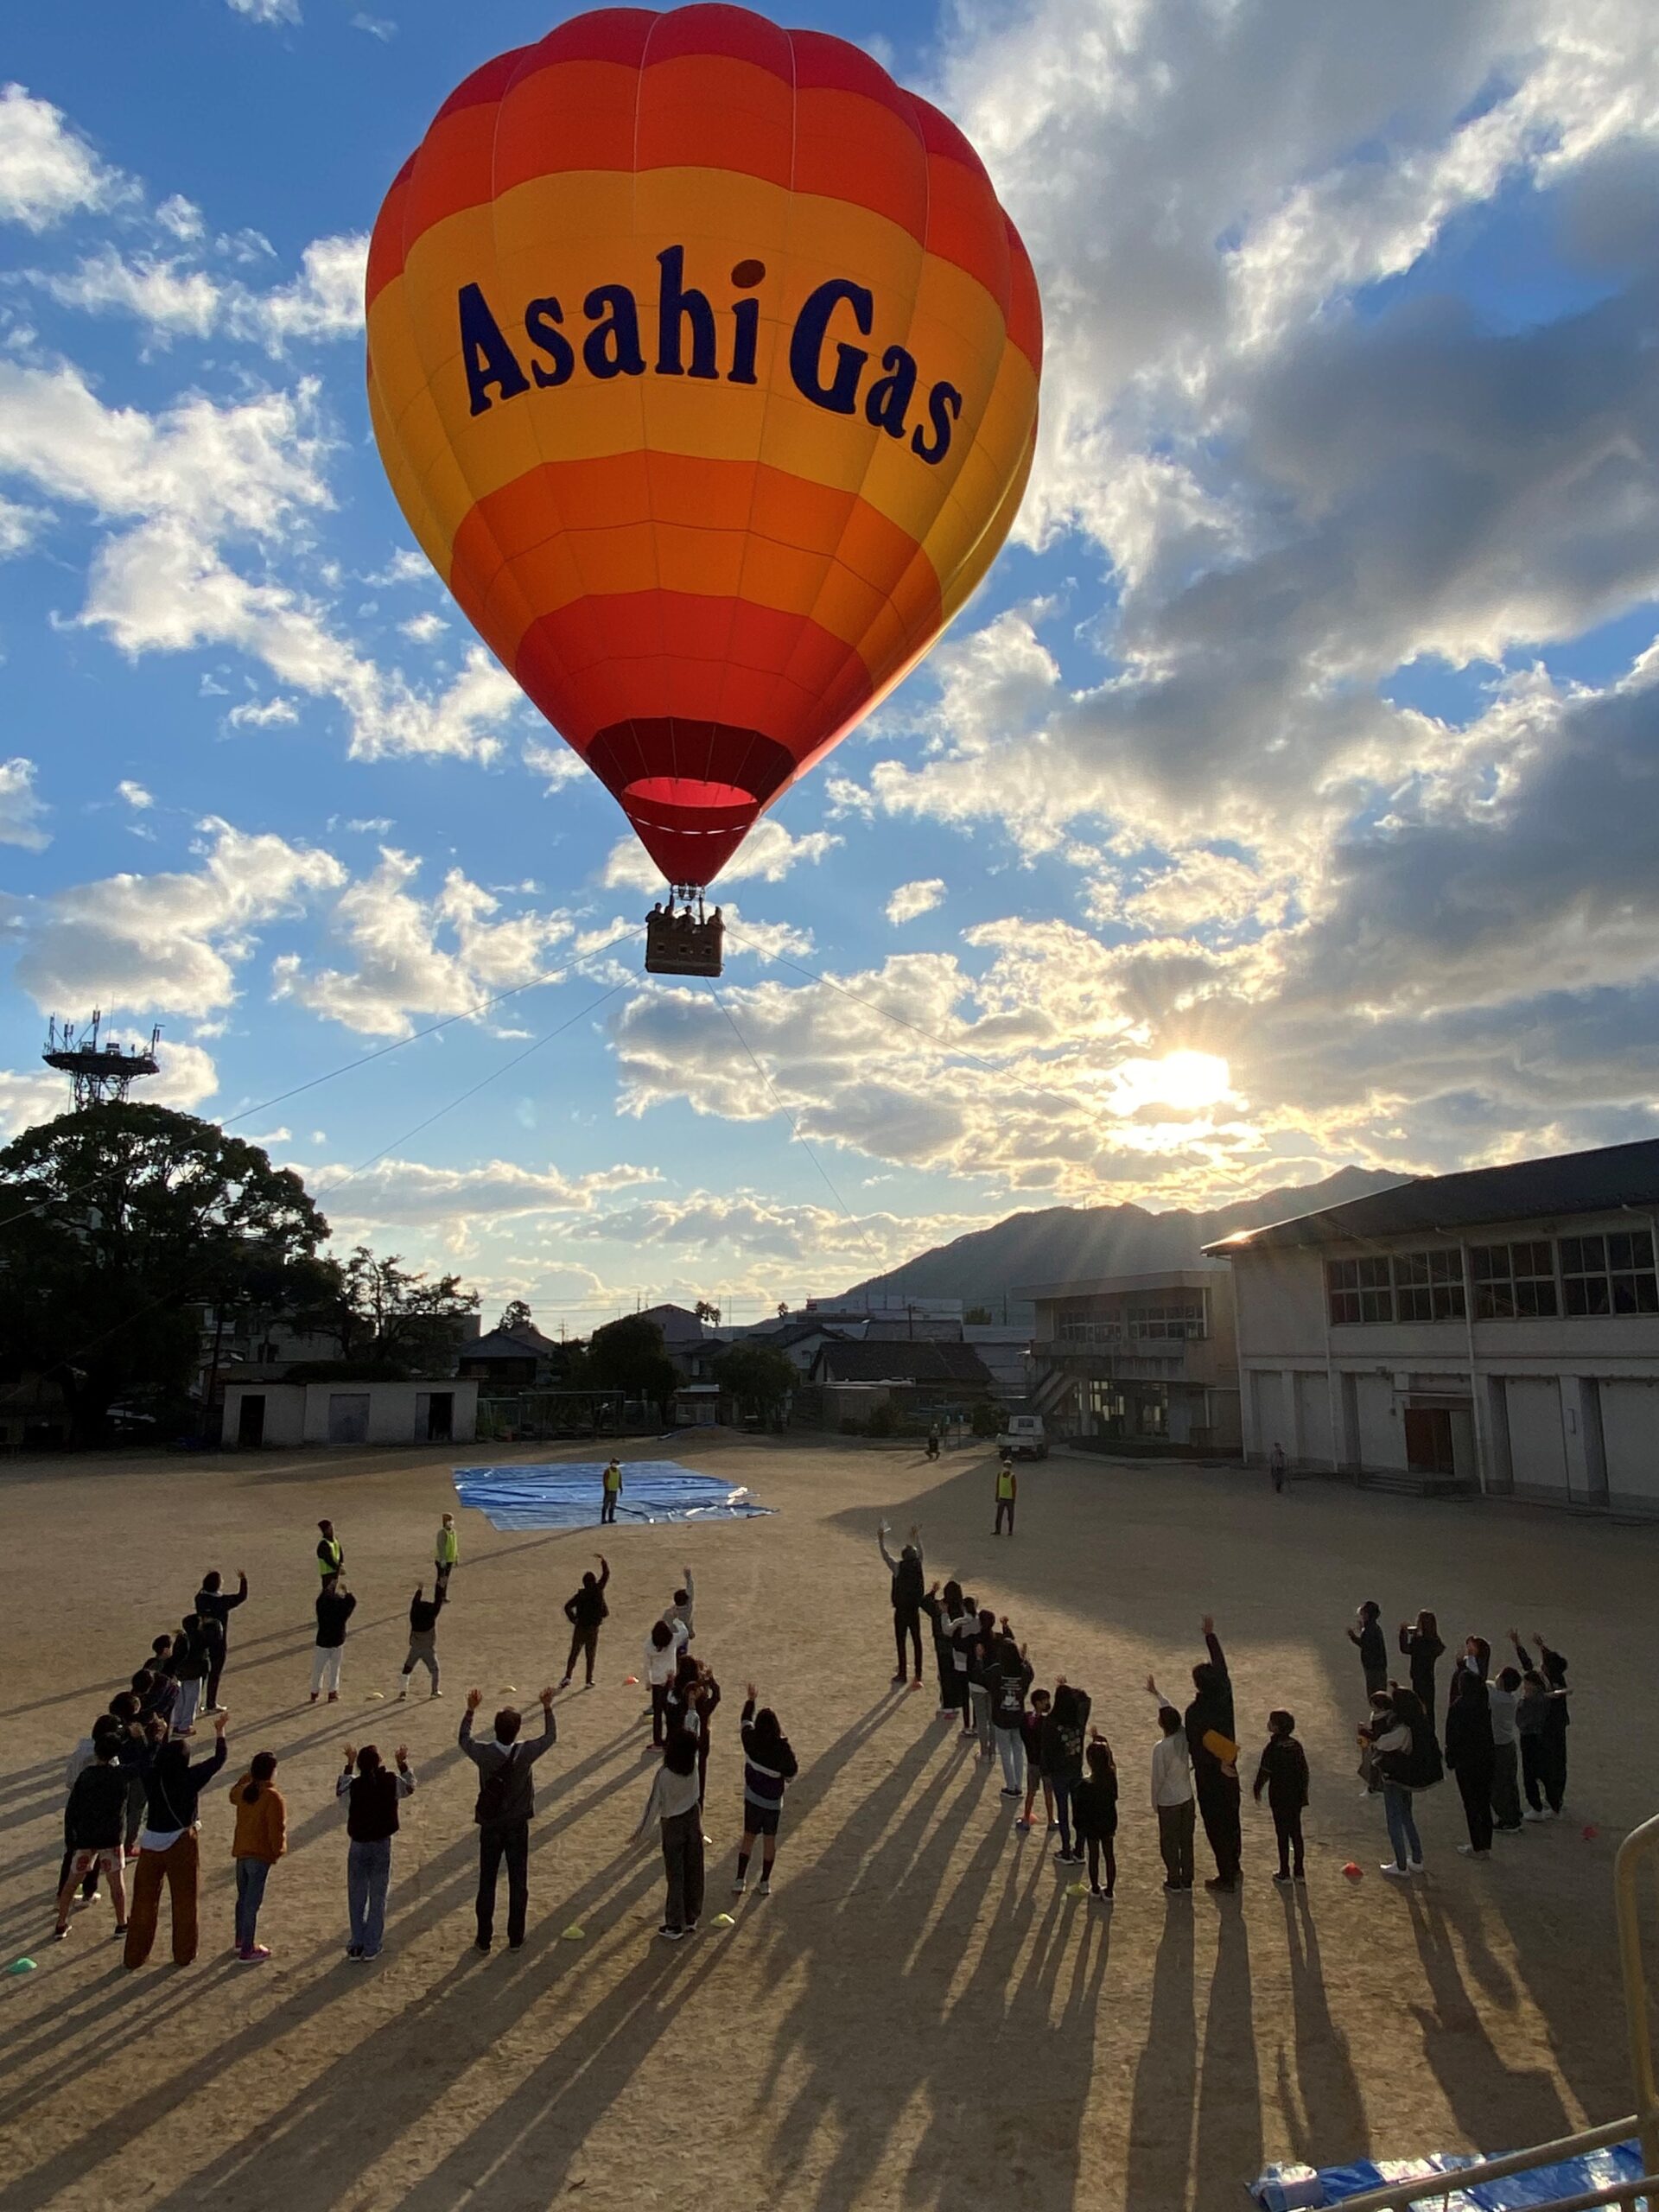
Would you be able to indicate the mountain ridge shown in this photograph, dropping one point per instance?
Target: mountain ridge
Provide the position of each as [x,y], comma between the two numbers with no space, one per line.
[1059,1243]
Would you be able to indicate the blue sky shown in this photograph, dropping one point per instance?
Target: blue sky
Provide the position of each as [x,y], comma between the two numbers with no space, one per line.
[1284,799]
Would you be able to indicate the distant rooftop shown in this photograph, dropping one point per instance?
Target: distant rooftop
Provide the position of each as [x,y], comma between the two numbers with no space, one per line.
[1118,1286]
[1604,1182]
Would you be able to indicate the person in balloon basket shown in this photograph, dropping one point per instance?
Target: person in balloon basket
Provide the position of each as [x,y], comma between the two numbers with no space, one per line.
[505,1807]
[373,1793]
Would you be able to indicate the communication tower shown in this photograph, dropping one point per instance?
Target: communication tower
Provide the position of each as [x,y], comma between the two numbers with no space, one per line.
[98,1071]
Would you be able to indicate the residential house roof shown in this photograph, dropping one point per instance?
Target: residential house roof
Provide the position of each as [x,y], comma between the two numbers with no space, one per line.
[511,1344]
[903,1362]
[1602,1181]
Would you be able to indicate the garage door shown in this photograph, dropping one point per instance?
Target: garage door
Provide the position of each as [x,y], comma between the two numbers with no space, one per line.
[348,1417]
[1313,1404]
[1629,1435]
[1537,1448]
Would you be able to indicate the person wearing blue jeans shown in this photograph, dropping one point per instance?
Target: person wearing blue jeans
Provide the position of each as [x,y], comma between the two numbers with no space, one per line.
[1405,1757]
[1402,1830]
[373,1793]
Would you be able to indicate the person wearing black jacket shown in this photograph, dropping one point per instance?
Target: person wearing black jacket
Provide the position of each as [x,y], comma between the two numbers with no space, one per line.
[214,1605]
[1422,1649]
[908,1589]
[166,1849]
[1471,1756]
[506,1803]
[1282,1773]
[190,1661]
[373,1794]
[1010,1679]
[585,1609]
[422,1636]
[1550,1756]
[1094,1809]
[1061,1756]
[1367,1637]
[1211,1739]
[94,1824]
[335,1605]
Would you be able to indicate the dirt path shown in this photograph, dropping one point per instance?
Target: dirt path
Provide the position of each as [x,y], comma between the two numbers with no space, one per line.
[919,2010]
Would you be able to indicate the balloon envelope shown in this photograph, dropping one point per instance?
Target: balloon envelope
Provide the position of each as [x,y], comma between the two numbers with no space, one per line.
[703,363]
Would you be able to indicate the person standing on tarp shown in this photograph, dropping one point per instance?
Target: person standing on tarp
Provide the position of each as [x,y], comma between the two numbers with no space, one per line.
[612,1491]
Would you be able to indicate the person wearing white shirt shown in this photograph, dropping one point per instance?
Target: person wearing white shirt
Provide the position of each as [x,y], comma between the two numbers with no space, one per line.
[662,1648]
[1172,1794]
[673,1804]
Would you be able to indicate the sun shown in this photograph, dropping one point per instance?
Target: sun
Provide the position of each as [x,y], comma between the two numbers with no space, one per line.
[1185,1082]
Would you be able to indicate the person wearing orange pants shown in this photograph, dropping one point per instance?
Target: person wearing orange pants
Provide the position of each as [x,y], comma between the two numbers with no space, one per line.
[167,1849]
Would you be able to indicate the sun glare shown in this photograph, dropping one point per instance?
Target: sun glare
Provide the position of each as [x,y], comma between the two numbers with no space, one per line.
[1186,1081]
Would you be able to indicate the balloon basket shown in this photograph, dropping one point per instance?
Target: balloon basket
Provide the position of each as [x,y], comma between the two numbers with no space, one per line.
[681,940]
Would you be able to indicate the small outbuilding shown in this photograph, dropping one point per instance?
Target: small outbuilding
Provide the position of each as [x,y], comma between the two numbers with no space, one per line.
[441,1411]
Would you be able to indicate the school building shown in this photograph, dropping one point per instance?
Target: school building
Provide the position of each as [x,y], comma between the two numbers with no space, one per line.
[1495,1332]
[1149,1359]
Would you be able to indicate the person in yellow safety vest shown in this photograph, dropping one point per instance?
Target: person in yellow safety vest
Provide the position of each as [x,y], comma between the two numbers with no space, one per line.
[331,1553]
[446,1550]
[1007,1489]
[612,1491]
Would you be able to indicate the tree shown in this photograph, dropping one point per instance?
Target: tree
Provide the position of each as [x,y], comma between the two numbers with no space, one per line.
[760,1377]
[515,1314]
[114,1223]
[706,1312]
[377,1310]
[978,1317]
[628,1355]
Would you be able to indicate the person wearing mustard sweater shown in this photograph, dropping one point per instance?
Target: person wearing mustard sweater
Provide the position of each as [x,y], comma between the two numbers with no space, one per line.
[260,1840]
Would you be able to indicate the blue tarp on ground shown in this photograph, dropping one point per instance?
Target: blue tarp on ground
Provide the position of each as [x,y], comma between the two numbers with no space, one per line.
[569,1494]
[1291,2188]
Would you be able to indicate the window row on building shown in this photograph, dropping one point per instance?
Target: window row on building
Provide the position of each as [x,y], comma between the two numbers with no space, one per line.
[1181,1317]
[1535,1277]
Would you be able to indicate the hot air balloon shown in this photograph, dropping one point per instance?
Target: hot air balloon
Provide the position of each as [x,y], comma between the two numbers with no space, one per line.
[704,364]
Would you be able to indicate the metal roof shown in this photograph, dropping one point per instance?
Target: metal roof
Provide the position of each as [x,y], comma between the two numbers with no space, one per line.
[924,1361]
[1112,1285]
[1613,1177]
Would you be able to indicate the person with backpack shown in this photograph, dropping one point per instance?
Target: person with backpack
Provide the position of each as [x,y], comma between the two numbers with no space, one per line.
[422,1636]
[505,1807]
[1407,1759]
[1009,1679]
[908,1590]
[769,1766]
[1062,1760]
[214,1605]
[1212,1741]
[1282,1772]
[261,1840]
[585,1609]
[166,1849]
[1471,1756]
[373,1794]
[334,1606]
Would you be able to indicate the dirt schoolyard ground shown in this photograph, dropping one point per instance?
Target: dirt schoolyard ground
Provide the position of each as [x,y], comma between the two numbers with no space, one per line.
[919,2012]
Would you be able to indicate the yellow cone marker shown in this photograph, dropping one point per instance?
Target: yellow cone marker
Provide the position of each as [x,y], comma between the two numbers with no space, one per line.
[574,1935]
[1077,1890]
[375,1697]
[722,1920]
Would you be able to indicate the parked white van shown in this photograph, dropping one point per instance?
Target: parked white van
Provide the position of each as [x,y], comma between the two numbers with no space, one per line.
[1023,1437]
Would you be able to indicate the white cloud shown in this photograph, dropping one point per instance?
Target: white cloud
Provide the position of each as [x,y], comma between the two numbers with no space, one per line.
[267,11]
[766,856]
[380,26]
[555,764]
[262,714]
[325,300]
[181,219]
[21,812]
[169,943]
[18,525]
[135,794]
[413,1193]
[422,629]
[28,1098]
[412,956]
[910,899]
[173,299]
[46,168]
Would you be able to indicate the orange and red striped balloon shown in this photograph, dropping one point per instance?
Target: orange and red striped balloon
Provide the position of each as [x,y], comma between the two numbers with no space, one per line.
[703,363]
